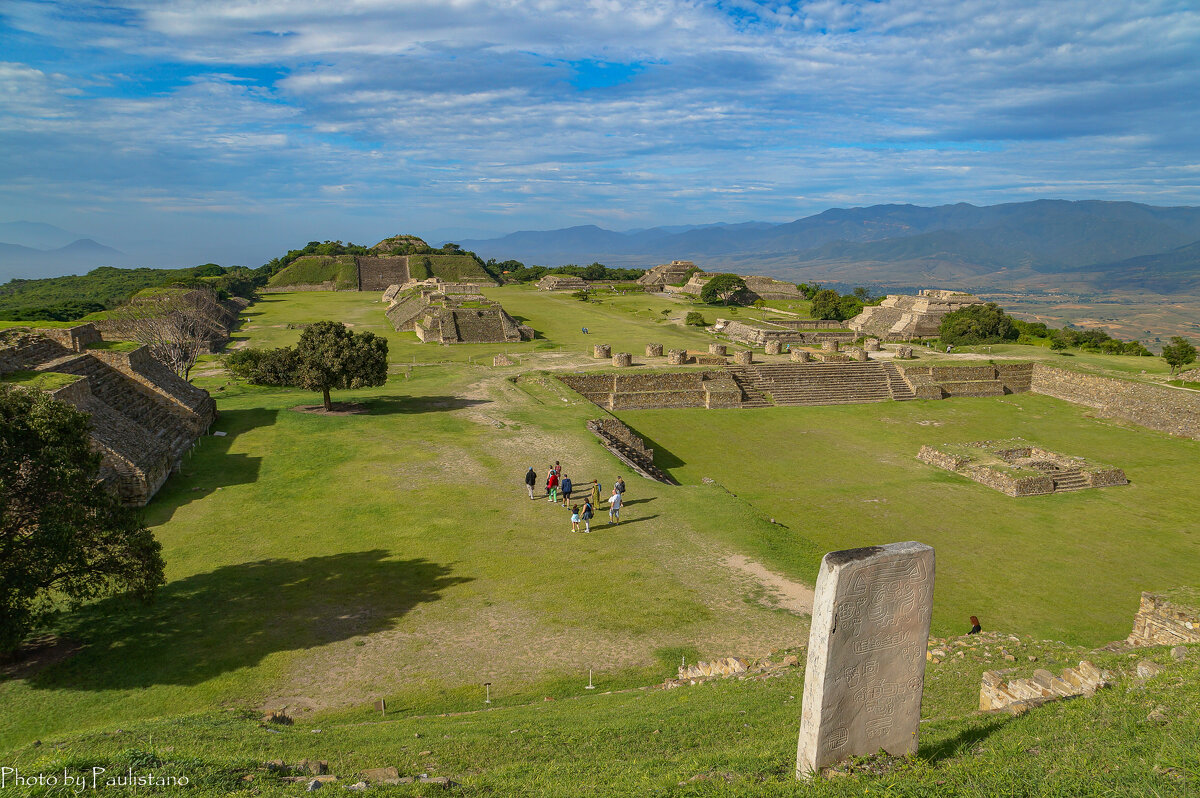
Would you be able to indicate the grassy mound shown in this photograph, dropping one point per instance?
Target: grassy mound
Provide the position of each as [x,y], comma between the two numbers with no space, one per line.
[317,269]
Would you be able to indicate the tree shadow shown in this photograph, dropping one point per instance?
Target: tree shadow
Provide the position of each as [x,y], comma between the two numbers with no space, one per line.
[210,465]
[388,405]
[965,739]
[233,617]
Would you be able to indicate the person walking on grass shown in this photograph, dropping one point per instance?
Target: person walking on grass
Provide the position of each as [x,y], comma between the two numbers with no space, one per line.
[564,488]
[552,487]
[614,507]
[619,486]
[595,494]
[575,518]
[530,480]
[586,515]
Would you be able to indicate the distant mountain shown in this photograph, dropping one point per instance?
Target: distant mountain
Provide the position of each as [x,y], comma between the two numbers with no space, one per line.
[1039,244]
[37,235]
[76,257]
[1166,272]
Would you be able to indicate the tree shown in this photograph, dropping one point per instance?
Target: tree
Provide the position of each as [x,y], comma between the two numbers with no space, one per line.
[828,304]
[178,324]
[977,324]
[1178,353]
[1058,343]
[331,357]
[694,318]
[64,538]
[723,288]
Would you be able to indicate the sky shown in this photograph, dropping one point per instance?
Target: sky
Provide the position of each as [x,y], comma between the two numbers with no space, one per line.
[231,130]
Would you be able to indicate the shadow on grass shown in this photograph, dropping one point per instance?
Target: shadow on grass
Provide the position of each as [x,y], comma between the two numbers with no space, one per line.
[961,742]
[210,465]
[523,320]
[662,457]
[387,405]
[235,616]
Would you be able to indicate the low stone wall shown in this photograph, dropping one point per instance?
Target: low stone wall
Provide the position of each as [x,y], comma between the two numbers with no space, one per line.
[654,350]
[601,351]
[829,346]
[616,430]
[677,357]
[800,356]
[717,349]
[743,357]
[645,400]
[998,691]
[76,338]
[1170,410]
[622,359]
[647,390]
[772,347]
[1160,622]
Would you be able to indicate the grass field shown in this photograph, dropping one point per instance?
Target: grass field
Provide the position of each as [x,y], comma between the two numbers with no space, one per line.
[321,563]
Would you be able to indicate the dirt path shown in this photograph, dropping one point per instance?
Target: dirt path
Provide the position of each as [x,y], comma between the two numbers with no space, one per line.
[791,596]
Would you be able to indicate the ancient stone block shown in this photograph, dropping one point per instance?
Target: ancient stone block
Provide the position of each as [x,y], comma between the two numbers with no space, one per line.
[677,357]
[773,347]
[622,359]
[743,357]
[858,353]
[716,349]
[800,356]
[829,345]
[503,360]
[904,352]
[654,350]
[601,351]
[866,654]
[871,345]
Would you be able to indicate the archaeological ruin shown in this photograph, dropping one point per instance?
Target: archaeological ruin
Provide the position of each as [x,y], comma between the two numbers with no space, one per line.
[757,287]
[1017,468]
[902,318]
[561,282]
[144,417]
[675,272]
[452,318]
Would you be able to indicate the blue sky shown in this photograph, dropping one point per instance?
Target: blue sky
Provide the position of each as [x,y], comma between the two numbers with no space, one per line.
[231,129]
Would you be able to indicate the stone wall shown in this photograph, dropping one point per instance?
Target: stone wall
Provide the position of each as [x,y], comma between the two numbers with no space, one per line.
[1160,622]
[1170,410]
[76,338]
[646,390]
[376,274]
[939,382]
[328,285]
[144,417]
[998,690]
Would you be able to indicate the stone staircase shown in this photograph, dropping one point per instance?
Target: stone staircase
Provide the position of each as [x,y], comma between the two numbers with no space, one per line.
[751,395]
[1072,479]
[150,412]
[823,383]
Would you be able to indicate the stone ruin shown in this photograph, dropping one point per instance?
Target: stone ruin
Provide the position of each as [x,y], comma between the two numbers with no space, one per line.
[657,389]
[999,690]
[144,417]
[1169,619]
[654,350]
[629,448]
[667,273]
[780,332]
[561,282]
[622,359]
[453,318]
[866,654]
[757,286]
[1016,468]
[433,285]
[902,318]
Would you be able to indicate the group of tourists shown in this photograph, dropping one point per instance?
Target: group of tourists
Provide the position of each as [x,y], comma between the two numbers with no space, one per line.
[559,488]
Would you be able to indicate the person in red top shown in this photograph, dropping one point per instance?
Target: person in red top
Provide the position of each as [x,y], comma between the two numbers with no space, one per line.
[552,487]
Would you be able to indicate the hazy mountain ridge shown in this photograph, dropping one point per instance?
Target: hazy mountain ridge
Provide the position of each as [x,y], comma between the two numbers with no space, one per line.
[1040,244]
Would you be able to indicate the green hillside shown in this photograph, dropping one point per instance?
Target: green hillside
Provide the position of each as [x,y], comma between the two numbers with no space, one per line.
[317,269]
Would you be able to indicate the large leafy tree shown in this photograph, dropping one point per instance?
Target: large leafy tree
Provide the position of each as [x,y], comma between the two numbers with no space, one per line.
[64,538]
[829,304]
[723,288]
[977,324]
[1178,353]
[330,356]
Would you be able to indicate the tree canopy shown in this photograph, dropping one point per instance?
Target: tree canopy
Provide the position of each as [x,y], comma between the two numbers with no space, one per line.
[723,288]
[64,538]
[330,356]
[1178,353]
[977,324]
[829,304]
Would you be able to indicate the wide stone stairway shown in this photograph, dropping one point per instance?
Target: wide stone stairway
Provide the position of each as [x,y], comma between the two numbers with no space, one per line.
[823,383]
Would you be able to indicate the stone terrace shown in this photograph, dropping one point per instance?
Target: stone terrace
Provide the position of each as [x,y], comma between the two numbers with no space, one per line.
[144,417]
[824,383]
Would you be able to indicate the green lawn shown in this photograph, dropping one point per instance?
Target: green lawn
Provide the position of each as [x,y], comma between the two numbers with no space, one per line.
[1068,566]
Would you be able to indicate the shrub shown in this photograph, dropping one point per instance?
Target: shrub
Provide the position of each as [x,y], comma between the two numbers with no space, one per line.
[694,319]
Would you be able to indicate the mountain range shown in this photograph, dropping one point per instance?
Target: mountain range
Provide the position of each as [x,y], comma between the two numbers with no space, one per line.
[1042,245]
[35,249]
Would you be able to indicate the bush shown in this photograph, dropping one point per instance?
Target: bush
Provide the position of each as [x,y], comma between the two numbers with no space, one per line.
[828,304]
[264,366]
[694,319]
